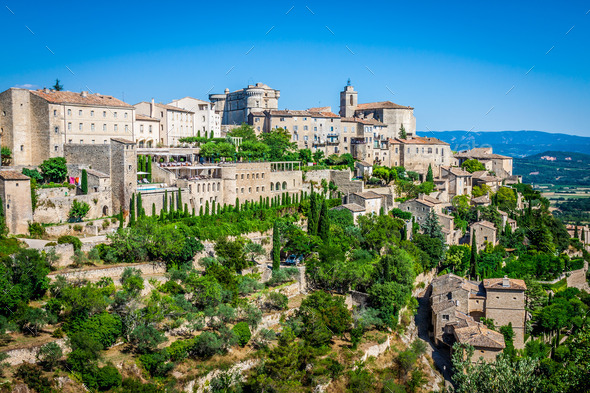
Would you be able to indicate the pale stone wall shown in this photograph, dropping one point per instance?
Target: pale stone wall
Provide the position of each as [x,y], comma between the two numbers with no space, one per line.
[504,307]
[17,205]
[52,208]
[113,271]
[28,354]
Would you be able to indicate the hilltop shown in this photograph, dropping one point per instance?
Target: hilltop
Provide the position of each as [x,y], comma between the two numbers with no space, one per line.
[554,167]
[513,143]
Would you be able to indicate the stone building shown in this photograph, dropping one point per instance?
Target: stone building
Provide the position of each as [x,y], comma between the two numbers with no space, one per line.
[36,124]
[459,181]
[235,107]
[499,164]
[485,232]
[458,304]
[205,119]
[15,191]
[147,132]
[418,153]
[421,207]
[175,122]
[387,112]
[117,160]
[583,232]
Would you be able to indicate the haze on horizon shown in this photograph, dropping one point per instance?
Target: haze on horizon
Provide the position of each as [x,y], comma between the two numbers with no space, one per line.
[481,66]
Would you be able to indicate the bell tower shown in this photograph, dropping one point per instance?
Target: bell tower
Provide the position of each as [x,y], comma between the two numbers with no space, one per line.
[348,100]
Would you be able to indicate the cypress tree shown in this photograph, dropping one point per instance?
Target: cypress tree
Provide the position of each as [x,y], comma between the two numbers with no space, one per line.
[260,202]
[473,259]
[429,175]
[324,223]
[149,168]
[212,208]
[267,202]
[162,214]
[121,219]
[193,211]
[172,205]
[237,205]
[84,185]
[165,206]
[405,232]
[576,230]
[185,210]
[206,208]
[201,210]
[276,247]
[583,237]
[139,205]
[132,210]
[153,210]
[179,202]
[211,135]
[382,211]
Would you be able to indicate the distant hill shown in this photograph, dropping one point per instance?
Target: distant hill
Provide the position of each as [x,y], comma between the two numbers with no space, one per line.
[554,167]
[513,143]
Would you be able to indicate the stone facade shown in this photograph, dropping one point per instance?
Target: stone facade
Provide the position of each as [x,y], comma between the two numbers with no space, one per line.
[485,232]
[15,191]
[500,165]
[235,107]
[504,304]
[175,122]
[35,124]
[205,119]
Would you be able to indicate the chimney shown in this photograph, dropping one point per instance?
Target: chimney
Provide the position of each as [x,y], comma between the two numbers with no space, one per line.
[152,108]
[506,282]
[84,94]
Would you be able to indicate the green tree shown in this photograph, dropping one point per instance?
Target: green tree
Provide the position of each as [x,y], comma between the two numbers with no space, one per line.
[78,211]
[473,165]
[324,223]
[48,355]
[432,228]
[473,259]
[132,210]
[402,132]
[57,86]
[54,169]
[242,332]
[84,184]
[429,174]
[276,246]
[279,143]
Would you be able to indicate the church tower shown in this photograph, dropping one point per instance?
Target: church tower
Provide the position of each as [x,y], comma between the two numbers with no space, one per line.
[348,101]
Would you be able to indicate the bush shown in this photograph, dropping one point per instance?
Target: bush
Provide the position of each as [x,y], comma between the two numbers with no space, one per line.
[73,240]
[78,211]
[206,345]
[36,230]
[48,355]
[178,350]
[146,338]
[156,363]
[134,386]
[31,375]
[108,377]
[276,301]
[242,332]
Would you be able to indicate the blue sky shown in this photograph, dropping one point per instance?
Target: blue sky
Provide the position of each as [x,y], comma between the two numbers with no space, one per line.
[452,61]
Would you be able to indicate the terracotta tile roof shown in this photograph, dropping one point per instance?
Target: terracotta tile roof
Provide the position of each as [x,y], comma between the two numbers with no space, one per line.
[367,195]
[497,283]
[381,105]
[291,113]
[479,153]
[143,117]
[8,174]
[321,109]
[484,223]
[479,336]
[419,140]
[353,207]
[69,97]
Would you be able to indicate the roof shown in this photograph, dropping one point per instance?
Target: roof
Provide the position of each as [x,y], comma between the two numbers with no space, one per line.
[353,207]
[84,98]
[480,153]
[167,107]
[456,171]
[419,140]
[125,141]
[93,172]
[422,201]
[437,308]
[497,283]
[479,336]
[430,199]
[144,117]
[367,195]
[321,109]
[9,174]
[481,199]
[292,113]
[484,223]
[478,174]
[450,282]
[381,105]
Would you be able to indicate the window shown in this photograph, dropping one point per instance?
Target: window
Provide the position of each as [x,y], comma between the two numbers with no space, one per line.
[22,147]
[150,128]
[256,120]
[263,178]
[93,141]
[104,113]
[91,113]
[115,115]
[56,129]
[69,126]
[249,190]
[141,128]
[242,190]
[116,128]
[445,317]
[55,112]
[126,128]
[125,115]
[305,128]
[55,148]
[69,141]
[92,127]
[282,119]
[81,141]
[69,112]
[104,127]
[80,113]
[80,126]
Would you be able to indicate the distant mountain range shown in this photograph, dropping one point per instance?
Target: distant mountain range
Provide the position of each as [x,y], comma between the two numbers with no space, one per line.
[554,167]
[512,143]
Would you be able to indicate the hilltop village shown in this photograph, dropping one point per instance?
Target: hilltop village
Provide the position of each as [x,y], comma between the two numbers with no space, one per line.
[203,245]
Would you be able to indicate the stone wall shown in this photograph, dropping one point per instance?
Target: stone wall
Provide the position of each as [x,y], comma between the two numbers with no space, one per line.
[114,271]
[28,354]
[356,299]
[54,204]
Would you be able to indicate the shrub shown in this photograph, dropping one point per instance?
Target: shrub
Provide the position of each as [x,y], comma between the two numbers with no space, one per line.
[31,375]
[77,228]
[178,350]
[73,240]
[206,345]
[108,377]
[275,301]
[156,363]
[146,338]
[36,230]
[263,338]
[78,211]
[49,354]
[242,332]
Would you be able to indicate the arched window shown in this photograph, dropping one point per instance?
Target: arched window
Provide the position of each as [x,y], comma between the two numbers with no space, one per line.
[351,100]
[198,188]
[284,185]
[272,186]
[277,186]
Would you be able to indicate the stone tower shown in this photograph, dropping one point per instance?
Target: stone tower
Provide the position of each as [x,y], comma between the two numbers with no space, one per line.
[348,101]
